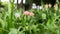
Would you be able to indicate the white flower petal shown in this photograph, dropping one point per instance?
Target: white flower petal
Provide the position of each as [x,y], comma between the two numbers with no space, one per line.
[24,1]
[17,14]
[34,6]
[41,7]
[38,7]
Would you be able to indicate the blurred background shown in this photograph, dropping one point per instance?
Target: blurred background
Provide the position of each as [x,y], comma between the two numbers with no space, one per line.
[29,16]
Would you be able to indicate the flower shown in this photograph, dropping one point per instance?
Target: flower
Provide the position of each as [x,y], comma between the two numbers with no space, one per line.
[17,14]
[56,6]
[26,13]
[31,14]
[24,1]
[41,7]
[50,5]
[34,6]
[38,7]
[46,6]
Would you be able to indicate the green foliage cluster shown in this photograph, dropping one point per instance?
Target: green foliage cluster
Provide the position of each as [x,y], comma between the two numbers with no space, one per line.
[43,22]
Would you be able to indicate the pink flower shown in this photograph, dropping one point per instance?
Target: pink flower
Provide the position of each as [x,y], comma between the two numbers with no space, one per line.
[31,14]
[26,13]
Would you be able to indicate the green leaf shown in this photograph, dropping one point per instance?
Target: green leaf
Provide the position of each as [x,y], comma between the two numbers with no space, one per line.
[13,31]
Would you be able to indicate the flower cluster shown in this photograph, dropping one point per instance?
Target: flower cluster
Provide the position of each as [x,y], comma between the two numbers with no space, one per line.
[36,7]
[28,13]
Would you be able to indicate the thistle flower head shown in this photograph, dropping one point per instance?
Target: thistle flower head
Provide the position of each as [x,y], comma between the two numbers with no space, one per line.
[31,14]
[26,13]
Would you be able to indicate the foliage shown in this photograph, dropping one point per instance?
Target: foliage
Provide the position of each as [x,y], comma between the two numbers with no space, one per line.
[43,22]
